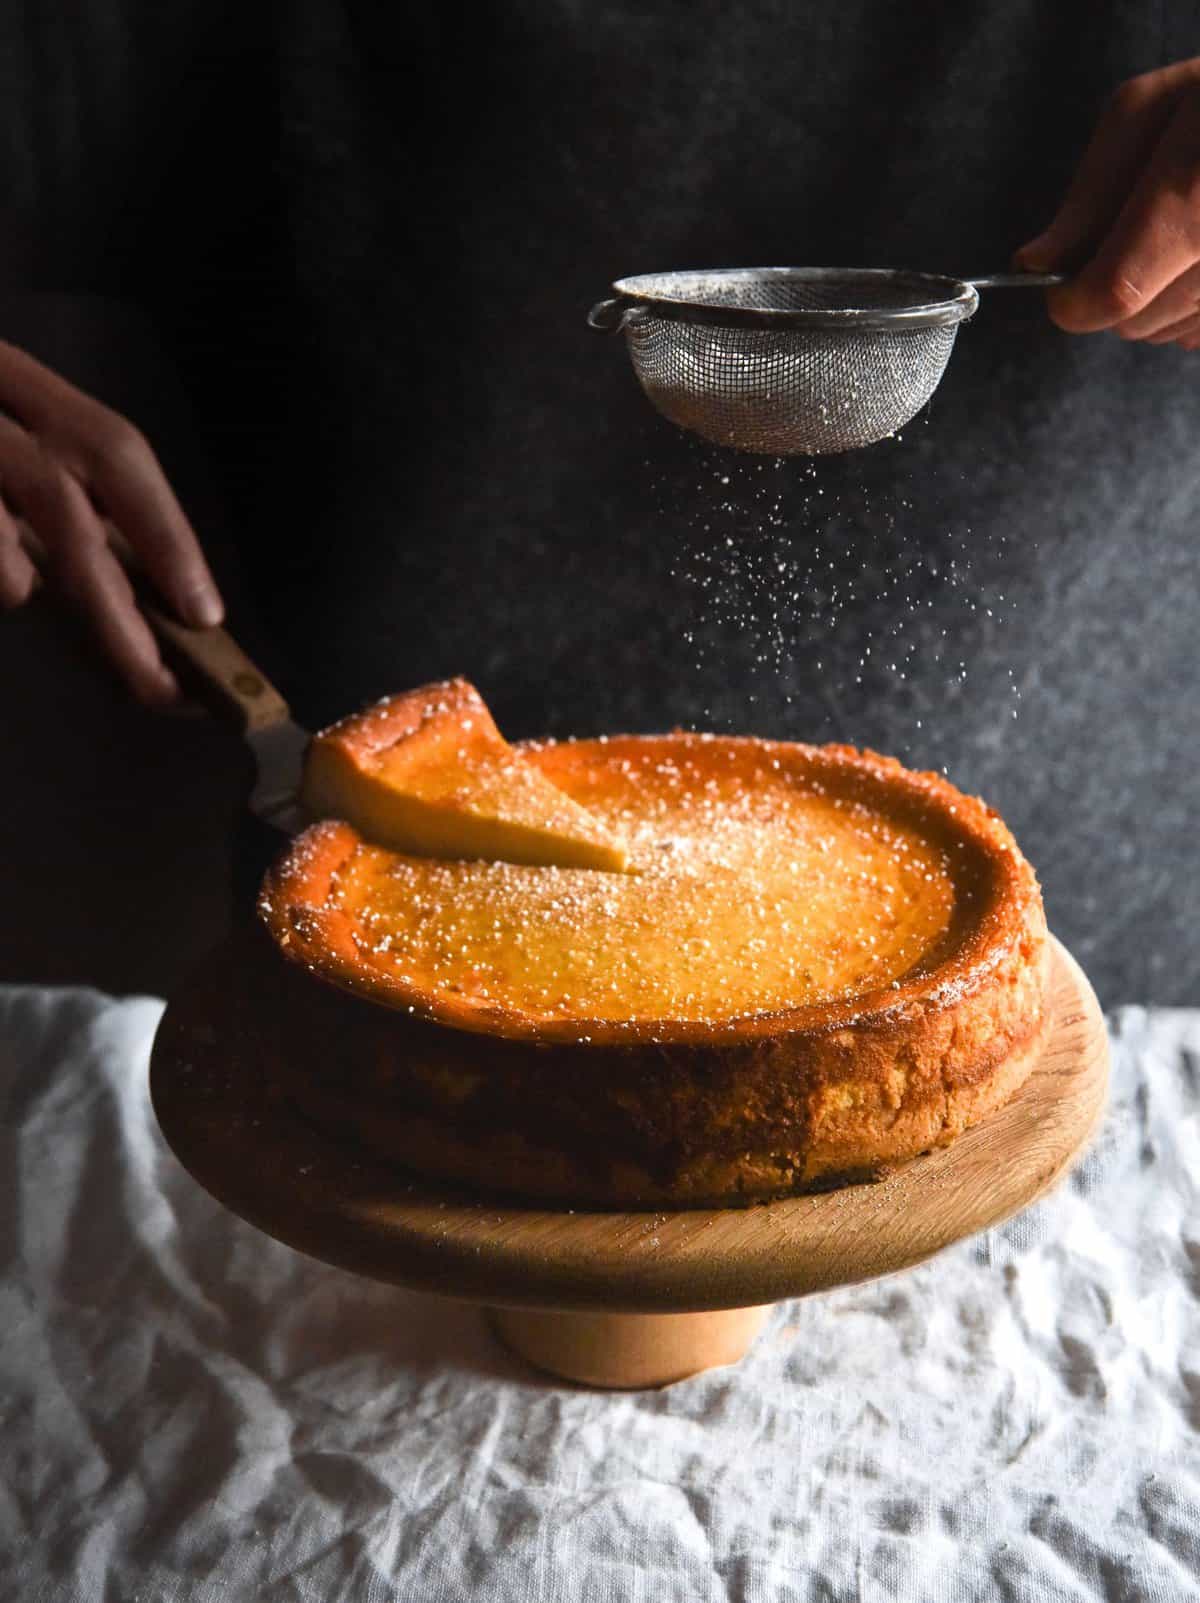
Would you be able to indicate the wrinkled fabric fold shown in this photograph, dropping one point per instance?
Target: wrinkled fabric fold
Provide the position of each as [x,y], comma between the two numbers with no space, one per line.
[191,1410]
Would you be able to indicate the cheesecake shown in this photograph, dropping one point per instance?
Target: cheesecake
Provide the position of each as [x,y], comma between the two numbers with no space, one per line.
[815,964]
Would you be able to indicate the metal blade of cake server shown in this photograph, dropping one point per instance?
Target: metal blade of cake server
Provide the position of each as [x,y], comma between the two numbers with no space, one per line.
[278,750]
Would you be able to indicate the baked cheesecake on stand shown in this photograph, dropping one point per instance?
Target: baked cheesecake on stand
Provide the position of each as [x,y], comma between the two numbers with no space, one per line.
[642,979]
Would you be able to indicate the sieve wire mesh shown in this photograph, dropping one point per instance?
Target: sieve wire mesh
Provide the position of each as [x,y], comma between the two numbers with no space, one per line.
[789,361]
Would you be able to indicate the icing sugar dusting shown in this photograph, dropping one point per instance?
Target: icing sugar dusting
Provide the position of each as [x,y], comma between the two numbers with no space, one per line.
[835,594]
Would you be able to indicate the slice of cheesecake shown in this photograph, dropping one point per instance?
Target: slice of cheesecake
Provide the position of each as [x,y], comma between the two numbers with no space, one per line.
[429,774]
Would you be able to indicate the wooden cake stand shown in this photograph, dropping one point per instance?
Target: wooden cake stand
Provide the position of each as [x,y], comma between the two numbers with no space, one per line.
[609,1299]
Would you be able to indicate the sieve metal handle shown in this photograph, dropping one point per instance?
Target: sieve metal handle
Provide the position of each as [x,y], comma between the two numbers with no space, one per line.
[1017,280]
[609,316]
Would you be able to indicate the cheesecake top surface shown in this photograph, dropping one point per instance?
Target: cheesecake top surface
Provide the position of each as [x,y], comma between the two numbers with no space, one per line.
[771,879]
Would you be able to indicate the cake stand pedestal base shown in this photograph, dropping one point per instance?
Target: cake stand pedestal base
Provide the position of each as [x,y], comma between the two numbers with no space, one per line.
[625,1351]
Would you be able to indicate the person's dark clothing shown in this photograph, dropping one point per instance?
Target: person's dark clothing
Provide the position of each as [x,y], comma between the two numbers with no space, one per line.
[372,246]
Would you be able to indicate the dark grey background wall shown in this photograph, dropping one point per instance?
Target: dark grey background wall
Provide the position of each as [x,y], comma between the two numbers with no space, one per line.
[367,250]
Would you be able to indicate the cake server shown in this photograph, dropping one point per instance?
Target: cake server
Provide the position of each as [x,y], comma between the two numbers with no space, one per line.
[213,664]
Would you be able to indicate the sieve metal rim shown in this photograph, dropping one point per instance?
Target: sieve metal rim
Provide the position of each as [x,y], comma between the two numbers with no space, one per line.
[950,300]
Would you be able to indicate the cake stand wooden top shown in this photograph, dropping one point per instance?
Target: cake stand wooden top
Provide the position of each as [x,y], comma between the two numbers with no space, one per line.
[232,1128]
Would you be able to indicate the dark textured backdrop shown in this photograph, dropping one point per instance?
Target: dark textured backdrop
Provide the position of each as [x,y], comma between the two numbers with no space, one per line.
[369,249]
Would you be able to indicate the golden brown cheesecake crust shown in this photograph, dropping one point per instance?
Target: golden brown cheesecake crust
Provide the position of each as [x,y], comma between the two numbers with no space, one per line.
[601,1104]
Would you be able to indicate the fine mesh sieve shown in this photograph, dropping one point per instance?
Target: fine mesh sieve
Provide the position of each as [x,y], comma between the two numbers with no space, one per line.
[789,361]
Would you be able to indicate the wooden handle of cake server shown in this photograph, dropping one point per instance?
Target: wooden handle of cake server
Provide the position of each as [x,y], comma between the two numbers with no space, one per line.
[210,659]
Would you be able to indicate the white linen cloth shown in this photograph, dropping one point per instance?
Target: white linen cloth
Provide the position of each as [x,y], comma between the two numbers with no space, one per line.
[189,1410]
